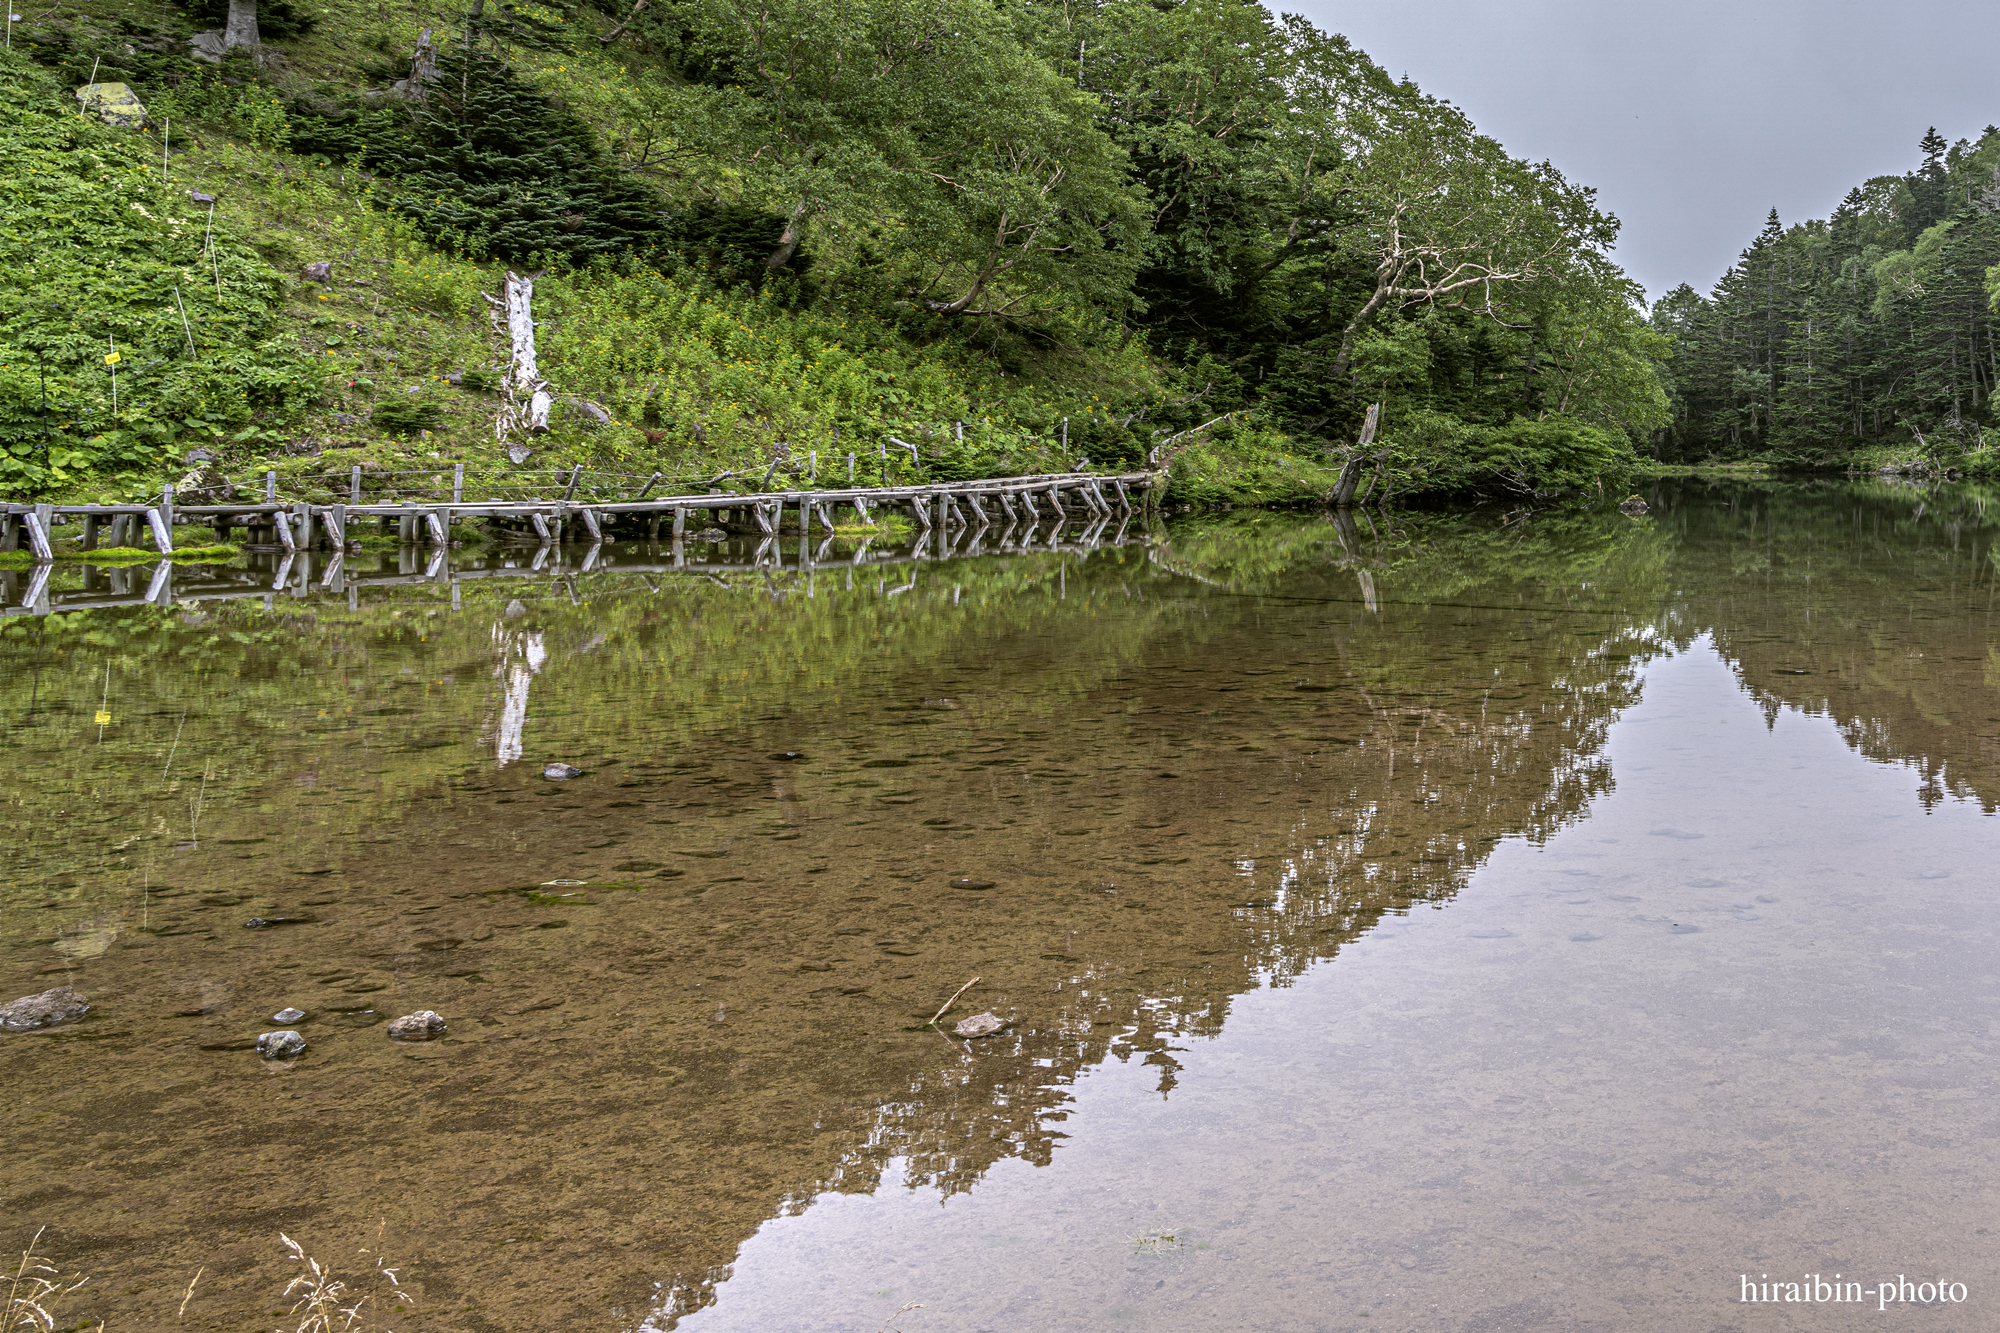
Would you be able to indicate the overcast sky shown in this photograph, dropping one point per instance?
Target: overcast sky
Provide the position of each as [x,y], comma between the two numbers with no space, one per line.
[1694,118]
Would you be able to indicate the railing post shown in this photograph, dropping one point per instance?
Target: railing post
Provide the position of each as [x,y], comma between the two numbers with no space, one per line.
[458,483]
[354,484]
[270,488]
[39,528]
[575,475]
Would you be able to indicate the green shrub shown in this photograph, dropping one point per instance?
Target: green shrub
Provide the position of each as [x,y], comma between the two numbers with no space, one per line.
[407,416]
[100,259]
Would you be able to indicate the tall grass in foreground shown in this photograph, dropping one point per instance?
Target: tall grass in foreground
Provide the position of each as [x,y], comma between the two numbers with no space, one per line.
[30,1296]
[320,1293]
[34,1290]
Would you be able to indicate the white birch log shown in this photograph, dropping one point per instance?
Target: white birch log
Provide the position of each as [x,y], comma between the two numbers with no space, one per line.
[526,376]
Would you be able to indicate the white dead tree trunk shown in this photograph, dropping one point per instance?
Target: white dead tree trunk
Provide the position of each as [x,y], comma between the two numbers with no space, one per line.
[528,395]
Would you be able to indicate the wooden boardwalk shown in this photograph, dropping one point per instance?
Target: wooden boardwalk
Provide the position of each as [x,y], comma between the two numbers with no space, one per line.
[302,572]
[301,525]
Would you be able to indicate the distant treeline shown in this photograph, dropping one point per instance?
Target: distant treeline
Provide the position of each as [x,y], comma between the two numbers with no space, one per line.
[1866,338]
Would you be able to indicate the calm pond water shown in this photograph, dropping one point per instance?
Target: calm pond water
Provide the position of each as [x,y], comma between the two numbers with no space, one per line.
[1477,922]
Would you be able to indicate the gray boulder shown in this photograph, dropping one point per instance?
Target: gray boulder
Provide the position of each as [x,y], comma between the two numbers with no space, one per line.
[204,484]
[52,1008]
[561,772]
[587,414]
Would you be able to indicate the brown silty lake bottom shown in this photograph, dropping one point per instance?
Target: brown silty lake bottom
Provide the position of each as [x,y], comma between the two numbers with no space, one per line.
[1474,921]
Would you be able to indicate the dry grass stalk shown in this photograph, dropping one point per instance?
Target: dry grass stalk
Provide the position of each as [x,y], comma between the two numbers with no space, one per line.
[33,1291]
[913,1305]
[190,1291]
[952,1001]
[322,1293]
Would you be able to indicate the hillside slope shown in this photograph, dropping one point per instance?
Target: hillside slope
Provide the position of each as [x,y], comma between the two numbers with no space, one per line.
[749,263]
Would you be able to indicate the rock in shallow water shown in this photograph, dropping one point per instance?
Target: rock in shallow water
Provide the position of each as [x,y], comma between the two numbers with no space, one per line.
[420,1026]
[979,1025]
[561,772]
[280,1045]
[51,1008]
[288,1015]
[1632,506]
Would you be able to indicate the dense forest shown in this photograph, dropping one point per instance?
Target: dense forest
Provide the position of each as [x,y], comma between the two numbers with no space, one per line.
[1188,231]
[1867,338]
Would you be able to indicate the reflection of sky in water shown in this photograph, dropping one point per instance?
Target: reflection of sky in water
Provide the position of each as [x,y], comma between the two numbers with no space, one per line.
[1735,1020]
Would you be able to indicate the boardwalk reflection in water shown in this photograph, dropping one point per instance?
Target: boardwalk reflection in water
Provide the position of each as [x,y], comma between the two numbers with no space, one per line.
[1193,770]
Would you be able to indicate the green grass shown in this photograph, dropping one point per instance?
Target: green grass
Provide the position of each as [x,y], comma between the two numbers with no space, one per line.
[114,556]
[698,377]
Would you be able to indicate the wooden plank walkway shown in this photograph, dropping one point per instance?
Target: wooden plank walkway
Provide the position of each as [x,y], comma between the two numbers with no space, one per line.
[300,525]
[298,573]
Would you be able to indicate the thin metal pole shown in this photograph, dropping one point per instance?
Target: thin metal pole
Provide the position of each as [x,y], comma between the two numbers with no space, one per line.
[184,322]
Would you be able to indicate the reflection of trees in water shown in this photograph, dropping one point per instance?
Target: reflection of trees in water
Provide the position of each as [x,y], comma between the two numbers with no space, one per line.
[521,654]
[1471,705]
[1867,603]
[1397,810]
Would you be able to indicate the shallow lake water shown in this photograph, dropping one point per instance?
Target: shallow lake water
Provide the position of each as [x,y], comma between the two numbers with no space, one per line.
[1471,921]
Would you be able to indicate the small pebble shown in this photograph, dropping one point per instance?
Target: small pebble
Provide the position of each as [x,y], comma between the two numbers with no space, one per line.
[280,1045]
[972,884]
[288,1016]
[788,756]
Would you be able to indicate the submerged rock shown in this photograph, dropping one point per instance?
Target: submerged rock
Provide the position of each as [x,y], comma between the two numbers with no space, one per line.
[972,884]
[979,1025]
[708,535]
[51,1008]
[282,1045]
[420,1026]
[1632,506]
[288,1016]
[561,772]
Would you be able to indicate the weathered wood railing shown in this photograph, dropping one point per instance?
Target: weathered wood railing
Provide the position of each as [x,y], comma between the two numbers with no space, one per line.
[297,572]
[298,525]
